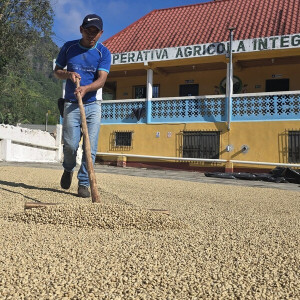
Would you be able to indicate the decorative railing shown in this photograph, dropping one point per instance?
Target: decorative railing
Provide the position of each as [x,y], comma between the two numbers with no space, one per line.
[245,107]
[123,111]
[189,109]
[266,106]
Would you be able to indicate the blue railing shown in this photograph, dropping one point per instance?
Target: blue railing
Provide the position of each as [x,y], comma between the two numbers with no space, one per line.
[245,107]
[124,111]
[267,106]
[193,109]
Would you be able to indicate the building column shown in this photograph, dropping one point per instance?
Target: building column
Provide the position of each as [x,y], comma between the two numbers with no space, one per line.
[229,88]
[149,94]
[229,81]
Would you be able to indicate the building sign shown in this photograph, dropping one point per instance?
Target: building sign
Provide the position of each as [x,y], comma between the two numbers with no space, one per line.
[221,48]
[189,81]
[276,75]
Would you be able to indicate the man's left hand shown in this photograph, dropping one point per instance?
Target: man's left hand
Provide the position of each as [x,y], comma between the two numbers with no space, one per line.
[82,90]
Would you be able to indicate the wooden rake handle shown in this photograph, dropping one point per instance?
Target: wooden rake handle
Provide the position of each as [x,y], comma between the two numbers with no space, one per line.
[87,149]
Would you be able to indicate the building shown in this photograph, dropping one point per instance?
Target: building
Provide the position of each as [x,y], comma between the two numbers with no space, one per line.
[167,94]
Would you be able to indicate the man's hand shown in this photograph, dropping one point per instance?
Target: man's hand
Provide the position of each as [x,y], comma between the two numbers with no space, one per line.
[64,74]
[74,76]
[82,90]
[94,86]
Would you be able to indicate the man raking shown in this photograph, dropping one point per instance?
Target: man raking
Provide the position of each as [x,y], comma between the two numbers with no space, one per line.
[89,61]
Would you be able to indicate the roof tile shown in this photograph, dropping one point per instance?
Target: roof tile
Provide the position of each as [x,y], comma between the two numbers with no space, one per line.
[208,22]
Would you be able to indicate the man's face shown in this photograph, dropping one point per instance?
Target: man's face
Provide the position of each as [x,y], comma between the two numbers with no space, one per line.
[90,36]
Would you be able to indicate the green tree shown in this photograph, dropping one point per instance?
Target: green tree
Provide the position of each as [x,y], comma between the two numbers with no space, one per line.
[26,52]
[22,23]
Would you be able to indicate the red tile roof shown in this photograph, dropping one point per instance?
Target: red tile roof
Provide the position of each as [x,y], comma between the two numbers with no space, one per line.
[208,22]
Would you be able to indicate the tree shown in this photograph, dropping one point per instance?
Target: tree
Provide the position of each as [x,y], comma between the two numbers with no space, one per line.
[26,53]
[22,23]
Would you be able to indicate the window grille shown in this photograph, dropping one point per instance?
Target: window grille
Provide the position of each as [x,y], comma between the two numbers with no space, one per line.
[201,144]
[294,146]
[123,139]
[140,91]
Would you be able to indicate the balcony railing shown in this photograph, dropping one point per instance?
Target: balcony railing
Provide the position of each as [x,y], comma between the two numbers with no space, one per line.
[245,107]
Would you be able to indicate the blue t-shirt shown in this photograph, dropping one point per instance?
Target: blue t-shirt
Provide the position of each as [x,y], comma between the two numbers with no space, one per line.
[84,61]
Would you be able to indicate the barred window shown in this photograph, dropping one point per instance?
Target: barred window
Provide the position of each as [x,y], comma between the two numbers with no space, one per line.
[140,91]
[294,146]
[201,144]
[123,139]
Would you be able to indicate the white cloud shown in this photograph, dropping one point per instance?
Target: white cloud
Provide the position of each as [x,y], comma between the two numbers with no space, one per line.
[68,16]
[116,15]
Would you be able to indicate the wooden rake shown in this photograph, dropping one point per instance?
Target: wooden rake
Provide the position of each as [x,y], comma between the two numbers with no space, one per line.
[87,149]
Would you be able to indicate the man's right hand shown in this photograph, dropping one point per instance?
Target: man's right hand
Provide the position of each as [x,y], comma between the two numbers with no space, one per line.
[64,74]
[74,76]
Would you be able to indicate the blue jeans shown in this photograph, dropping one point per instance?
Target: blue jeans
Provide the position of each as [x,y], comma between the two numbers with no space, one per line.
[72,136]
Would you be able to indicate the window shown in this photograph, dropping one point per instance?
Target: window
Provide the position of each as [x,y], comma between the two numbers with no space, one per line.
[294,146]
[188,90]
[277,85]
[201,144]
[109,90]
[155,91]
[123,138]
[140,91]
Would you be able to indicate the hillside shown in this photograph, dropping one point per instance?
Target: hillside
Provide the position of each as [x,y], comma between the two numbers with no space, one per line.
[29,88]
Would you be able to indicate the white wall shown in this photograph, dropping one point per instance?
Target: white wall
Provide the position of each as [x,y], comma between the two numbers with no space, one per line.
[28,145]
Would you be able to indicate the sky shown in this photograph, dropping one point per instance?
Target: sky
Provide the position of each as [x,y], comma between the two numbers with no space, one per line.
[116,15]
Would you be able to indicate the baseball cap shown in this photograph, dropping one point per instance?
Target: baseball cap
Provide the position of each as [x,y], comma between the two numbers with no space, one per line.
[92,20]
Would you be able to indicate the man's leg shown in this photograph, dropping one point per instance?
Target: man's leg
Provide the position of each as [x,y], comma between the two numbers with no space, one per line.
[71,138]
[93,119]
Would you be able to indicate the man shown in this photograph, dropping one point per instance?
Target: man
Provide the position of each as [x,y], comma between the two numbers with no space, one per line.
[88,61]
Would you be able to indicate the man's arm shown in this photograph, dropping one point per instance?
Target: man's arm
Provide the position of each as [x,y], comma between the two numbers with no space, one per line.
[63,74]
[94,86]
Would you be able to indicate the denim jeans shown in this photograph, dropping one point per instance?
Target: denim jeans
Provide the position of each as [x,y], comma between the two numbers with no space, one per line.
[72,135]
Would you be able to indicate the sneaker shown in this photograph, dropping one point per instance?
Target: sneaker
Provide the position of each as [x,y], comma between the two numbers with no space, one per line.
[66,180]
[83,191]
